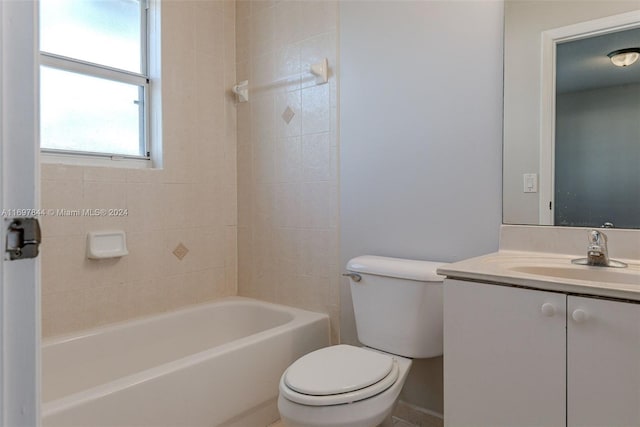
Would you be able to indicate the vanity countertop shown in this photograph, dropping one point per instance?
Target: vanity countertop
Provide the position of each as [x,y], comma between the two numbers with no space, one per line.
[547,271]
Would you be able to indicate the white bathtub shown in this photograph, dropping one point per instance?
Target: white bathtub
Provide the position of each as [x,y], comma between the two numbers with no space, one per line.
[216,364]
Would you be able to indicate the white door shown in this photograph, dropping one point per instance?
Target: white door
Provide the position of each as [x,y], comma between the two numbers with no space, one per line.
[504,356]
[19,179]
[603,363]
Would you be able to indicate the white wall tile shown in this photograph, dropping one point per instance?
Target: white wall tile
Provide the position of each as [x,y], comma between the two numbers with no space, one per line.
[287,237]
[287,202]
[292,100]
[318,17]
[191,200]
[57,198]
[316,109]
[54,172]
[316,205]
[288,69]
[289,155]
[317,156]
[288,20]
[263,27]
[262,116]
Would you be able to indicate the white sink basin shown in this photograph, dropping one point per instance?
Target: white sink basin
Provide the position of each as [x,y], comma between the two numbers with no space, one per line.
[591,274]
[549,271]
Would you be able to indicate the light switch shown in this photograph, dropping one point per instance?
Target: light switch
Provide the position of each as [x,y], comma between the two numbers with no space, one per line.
[530,182]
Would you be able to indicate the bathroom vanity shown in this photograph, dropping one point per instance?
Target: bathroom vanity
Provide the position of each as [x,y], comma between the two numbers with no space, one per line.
[531,339]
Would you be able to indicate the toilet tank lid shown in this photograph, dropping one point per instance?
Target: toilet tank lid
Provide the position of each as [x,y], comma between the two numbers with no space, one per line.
[423,271]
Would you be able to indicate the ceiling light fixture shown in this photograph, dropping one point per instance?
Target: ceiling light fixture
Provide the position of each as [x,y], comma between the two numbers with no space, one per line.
[624,57]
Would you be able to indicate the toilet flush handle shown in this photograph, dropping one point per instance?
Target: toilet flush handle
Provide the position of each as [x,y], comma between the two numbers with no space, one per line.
[353,276]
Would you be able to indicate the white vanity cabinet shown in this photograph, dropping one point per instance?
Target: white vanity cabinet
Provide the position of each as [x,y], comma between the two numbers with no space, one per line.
[603,362]
[504,359]
[522,357]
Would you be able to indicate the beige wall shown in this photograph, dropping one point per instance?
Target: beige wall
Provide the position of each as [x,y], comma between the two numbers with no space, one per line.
[287,174]
[420,142]
[192,200]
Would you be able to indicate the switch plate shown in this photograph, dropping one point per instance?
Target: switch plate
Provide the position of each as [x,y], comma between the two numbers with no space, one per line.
[530,182]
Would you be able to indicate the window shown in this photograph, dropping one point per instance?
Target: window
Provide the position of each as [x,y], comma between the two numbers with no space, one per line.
[94,80]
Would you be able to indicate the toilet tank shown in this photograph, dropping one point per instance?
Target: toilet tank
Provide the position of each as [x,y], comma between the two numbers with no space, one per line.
[398,305]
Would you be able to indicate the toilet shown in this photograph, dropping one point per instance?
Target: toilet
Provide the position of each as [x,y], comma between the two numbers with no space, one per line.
[398,311]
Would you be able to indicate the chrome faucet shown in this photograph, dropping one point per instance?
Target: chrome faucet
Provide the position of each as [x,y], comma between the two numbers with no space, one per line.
[597,253]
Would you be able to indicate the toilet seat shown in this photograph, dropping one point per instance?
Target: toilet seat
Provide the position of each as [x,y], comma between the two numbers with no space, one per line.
[338,374]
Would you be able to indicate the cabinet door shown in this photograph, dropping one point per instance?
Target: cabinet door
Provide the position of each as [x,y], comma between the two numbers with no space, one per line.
[603,363]
[504,356]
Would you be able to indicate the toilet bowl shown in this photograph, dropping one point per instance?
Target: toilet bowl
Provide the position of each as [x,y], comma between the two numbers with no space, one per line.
[398,310]
[342,386]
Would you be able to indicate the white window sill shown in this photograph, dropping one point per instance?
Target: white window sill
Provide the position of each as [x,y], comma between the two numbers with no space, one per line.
[79,160]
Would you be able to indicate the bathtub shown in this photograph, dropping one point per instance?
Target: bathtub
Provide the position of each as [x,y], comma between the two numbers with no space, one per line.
[216,364]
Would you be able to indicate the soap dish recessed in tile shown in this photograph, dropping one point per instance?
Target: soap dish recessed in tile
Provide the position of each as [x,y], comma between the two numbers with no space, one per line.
[106,244]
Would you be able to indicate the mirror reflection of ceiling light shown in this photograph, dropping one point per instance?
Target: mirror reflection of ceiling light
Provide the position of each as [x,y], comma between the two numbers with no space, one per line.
[624,57]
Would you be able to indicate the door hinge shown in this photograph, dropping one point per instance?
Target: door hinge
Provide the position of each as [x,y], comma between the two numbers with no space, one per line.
[23,238]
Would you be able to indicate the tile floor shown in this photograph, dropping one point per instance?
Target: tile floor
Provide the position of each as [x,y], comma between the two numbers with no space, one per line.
[401,423]
[396,423]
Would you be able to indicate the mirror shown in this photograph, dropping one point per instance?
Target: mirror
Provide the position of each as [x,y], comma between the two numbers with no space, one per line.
[571,117]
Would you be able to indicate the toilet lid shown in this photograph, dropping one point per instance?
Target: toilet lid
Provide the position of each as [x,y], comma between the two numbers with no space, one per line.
[341,398]
[337,369]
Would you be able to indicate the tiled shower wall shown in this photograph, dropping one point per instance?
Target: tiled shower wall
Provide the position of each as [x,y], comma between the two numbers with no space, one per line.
[287,155]
[192,200]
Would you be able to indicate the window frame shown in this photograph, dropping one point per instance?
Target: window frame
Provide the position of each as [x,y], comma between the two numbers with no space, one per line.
[91,69]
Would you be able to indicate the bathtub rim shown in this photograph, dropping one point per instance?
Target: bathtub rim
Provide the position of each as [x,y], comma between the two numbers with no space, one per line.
[148,318]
